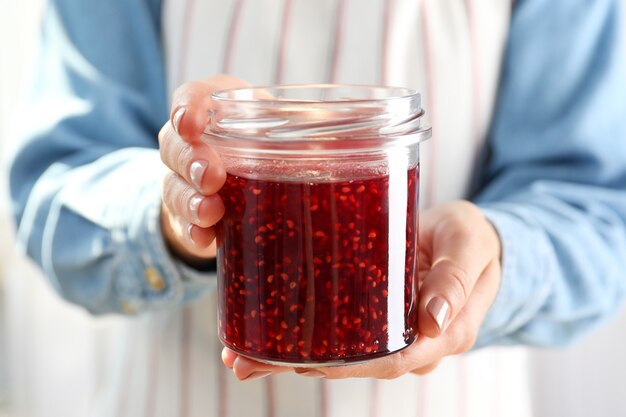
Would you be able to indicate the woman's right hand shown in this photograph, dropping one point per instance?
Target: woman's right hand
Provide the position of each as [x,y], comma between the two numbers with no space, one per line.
[191,206]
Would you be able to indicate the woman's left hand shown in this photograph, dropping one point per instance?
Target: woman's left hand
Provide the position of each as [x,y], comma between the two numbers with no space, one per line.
[460,276]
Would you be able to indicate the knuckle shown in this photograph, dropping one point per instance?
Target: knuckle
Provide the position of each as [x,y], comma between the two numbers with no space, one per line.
[466,338]
[463,230]
[396,367]
[162,134]
[465,208]
[183,159]
[185,88]
[183,198]
[168,188]
[426,369]
[467,345]
[188,92]
[461,279]
[168,185]
[461,220]
[165,141]
[394,373]
[176,194]
[169,148]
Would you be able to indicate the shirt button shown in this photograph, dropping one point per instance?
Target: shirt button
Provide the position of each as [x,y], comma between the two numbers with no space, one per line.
[154,279]
[128,309]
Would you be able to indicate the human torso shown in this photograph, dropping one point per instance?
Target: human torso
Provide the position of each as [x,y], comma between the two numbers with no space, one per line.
[451,52]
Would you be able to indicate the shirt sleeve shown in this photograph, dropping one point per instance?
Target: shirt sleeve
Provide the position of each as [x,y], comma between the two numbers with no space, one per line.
[554,184]
[85,178]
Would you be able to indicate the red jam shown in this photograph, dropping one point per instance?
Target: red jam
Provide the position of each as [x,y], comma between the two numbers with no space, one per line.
[304,269]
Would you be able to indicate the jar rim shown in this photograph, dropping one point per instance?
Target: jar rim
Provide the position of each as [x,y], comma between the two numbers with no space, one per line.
[220,95]
[317,117]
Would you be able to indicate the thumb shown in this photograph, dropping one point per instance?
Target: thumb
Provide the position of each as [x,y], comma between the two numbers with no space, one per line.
[460,254]
[443,294]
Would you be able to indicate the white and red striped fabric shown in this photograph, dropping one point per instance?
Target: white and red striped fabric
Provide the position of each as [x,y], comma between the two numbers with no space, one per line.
[168,363]
[451,51]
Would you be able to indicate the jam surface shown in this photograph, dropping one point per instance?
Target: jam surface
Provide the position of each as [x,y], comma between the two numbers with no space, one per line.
[307,271]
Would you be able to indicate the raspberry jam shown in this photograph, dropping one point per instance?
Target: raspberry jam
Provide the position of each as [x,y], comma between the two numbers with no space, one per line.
[314,273]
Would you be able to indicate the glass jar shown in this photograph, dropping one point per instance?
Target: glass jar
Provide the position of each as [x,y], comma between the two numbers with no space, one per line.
[317,251]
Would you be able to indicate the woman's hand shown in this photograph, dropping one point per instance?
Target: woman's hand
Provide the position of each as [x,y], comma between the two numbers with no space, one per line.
[191,206]
[460,277]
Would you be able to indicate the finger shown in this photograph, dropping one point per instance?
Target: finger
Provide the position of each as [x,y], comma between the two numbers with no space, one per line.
[197,163]
[194,240]
[421,353]
[191,104]
[461,250]
[228,357]
[247,369]
[425,353]
[202,238]
[178,233]
[183,200]
[426,369]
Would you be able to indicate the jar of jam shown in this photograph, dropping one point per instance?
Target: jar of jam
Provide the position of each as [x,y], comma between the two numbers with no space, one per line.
[317,251]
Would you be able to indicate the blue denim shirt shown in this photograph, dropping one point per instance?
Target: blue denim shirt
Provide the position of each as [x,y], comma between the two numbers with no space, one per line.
[87,200]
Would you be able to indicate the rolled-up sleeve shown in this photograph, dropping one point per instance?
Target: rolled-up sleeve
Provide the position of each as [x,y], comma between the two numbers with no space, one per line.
[554,184]
[86,174]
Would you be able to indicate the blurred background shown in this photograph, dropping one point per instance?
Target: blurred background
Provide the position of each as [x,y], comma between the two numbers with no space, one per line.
[18,30]
[36,328]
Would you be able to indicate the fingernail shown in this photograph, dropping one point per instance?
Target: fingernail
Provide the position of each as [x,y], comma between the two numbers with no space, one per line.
[311,374]
[177,118]
[257,375]
[196,172]
[438,309]
[187,233]
[194,205]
